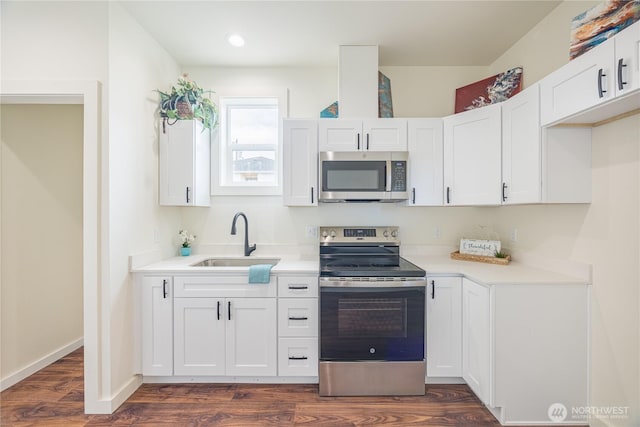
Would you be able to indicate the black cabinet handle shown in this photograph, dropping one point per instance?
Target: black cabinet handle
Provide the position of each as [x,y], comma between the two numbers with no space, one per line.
[413,195]
[298,318]
[367,141]
[601,91]
[433,289]
[448,195]
[311,195]
[358,141]
[504,191]
[218,310]
[298,287]
[187,194]
[298,358]
[621,65]
[229,310]
[165,293]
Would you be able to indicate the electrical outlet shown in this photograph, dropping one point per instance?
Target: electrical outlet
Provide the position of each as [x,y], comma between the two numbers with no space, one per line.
[437,233]
[312,231]
[156,236]
[514,235]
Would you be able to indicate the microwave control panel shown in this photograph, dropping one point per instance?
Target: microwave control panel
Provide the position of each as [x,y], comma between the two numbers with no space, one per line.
[398,175]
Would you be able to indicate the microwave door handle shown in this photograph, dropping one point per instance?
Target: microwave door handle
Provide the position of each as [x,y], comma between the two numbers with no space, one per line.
[387,176]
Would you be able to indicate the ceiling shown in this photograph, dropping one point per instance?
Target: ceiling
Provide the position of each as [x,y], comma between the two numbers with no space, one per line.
[308,32]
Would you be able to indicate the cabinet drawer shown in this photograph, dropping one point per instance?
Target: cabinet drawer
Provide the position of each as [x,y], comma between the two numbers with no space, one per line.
[298,286]
[298,317]
[223,286]
[298,357]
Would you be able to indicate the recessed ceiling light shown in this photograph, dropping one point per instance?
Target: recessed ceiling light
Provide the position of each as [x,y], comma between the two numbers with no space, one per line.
[235,40]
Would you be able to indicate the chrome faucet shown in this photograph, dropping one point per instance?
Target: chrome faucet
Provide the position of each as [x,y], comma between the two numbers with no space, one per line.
[247,249]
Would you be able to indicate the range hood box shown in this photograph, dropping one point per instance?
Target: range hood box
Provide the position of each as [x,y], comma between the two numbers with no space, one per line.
[358,82]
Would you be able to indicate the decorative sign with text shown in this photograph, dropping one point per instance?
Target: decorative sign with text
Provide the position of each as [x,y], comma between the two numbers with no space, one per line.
[479,247]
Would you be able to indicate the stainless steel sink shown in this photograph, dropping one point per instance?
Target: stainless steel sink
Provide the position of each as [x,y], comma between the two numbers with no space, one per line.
[235,262]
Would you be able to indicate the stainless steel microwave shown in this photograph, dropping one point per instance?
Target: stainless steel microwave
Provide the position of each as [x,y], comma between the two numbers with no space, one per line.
[363,176]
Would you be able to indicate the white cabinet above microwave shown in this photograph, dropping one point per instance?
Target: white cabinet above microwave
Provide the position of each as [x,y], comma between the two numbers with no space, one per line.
[362,135]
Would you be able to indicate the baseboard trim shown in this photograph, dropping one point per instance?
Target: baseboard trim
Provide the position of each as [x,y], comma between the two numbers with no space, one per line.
[125,392]
[47,360]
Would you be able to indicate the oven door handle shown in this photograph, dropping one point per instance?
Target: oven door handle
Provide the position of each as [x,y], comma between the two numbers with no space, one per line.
[419,282]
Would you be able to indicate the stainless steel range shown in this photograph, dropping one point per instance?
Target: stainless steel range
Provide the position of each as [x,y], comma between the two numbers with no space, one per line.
[372,304]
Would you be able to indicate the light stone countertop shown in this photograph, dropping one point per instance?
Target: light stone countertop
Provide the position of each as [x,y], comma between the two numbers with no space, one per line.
[515,273]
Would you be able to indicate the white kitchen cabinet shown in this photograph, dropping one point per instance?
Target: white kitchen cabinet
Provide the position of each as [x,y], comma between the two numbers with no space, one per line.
[300,166]
[224,326]
[157,325]
[298,326]
[362,135]
[444,326]
[425,145]
[548,165]
[472,163]
[184,164]
[225,336]
[608,71]
[477,339]
[526,347]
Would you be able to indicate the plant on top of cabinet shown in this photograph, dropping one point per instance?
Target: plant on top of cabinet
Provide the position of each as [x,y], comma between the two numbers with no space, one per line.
[187,101]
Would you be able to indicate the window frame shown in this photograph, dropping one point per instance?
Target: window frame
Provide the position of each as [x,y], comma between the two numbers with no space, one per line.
[221,162]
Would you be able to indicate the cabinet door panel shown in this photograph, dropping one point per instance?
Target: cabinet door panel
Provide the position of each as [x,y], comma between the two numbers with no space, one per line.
[298,317]
[339,135]
[521,151]
[575,86]
[157,326]
[298,357]
[472,157]
[384,135]
[627,60]
[300,166]
[252,337]
[476,339]
[199,336]
[444,327]
[424,141]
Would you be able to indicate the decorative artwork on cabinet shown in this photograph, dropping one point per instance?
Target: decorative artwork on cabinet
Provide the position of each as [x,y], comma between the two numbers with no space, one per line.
[385,104]
[600,23]
[489,91]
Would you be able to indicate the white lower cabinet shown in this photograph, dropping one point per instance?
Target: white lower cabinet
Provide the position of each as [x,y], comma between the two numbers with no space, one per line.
[444,326]
[225,336]
[476,339]
[298,326]
[525,348]
[156,297]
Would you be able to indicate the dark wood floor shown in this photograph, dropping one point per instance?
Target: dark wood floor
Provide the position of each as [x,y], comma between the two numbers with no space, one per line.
[54,397]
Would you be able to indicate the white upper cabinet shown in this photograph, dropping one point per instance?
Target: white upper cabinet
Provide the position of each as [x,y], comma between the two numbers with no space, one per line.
[184,164]
[362,135]
[627,60]
[472,149]
[521,151]
[300,166]
[424,141]
[607,71]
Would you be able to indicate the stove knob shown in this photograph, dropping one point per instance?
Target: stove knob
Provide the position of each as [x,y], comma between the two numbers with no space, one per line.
[333,233]
[324,234]
[394,233]
[386,233]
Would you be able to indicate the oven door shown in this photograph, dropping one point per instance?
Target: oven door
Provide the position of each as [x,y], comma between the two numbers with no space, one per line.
[364,322]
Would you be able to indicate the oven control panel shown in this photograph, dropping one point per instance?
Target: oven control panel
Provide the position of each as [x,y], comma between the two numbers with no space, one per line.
[370,235]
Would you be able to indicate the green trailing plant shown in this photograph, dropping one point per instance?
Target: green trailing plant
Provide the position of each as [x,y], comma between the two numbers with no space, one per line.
[500,254]
[186,101]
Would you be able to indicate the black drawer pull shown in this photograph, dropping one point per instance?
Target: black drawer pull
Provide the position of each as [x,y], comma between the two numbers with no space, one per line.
[601,90]
[298,357]
[298,318]
[621,81]
[164,289]
[298,287]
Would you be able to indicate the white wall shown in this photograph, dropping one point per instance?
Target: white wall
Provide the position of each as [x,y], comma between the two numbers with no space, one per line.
[41,286]
[137,67]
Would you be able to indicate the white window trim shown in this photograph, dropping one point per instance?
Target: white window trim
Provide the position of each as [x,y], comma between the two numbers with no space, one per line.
[248,190]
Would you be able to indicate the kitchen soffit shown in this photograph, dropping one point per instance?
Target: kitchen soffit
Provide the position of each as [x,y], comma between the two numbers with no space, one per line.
[308,33]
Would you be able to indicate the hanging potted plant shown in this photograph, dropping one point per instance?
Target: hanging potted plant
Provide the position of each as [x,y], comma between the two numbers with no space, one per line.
[187,101]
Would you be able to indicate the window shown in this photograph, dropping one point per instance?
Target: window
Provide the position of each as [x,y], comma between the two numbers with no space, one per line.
[248,152]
